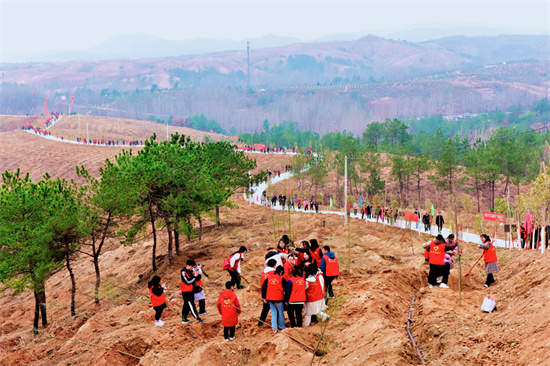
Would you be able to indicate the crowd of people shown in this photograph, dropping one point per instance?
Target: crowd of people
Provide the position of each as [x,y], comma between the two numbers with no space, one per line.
[297,281]
[292,204]
[108,142]
[266,149]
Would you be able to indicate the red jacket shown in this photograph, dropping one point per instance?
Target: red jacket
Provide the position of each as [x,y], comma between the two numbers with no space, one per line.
[229,308]
[156,300]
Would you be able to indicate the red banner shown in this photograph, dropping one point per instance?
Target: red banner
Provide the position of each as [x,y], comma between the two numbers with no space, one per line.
[491,216]
[409,216]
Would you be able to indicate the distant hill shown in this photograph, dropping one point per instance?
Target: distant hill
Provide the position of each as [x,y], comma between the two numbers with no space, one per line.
[489,50]
[324,86]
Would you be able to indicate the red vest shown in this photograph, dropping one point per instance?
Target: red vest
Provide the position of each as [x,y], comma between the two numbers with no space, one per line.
[490,255]
[236,266]
[314,292]
[298,293]
[156,300]
[315,256]
[426,254]
[275,290]
[318,276]
[331,267]
[285,251]
[185,287]
[263,278]
[437,253]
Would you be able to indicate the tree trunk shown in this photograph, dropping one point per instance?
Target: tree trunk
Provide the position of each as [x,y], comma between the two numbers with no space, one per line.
[200,229]
[97,277]
[154,236]
[71,275]
[218,222]
[170,243]
[177,239]
[418,205]
[478,208]
[42,296]
[40,307]
[36,312]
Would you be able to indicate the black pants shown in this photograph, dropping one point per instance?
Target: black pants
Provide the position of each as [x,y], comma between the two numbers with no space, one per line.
[188,305]
[235,278]
[490,279]
[158,310]
[294,312]
[265,310]
[202,306]
[328,285]
[228,332]
[437,270]
[439,227]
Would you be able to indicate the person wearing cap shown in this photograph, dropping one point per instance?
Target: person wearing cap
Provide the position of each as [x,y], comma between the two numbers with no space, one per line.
[437,248]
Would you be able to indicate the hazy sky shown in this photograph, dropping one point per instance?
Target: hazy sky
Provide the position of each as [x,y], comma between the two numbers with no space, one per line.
[31,27]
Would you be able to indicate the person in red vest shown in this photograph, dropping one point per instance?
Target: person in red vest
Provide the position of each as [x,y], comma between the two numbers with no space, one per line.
[315,252]
[273,293]
[330,269]
[490,258]
[269,270]
[157,298]
[315,294]
[188,279]
[295,298]
[437,248]
[288,267]
[235,267]
[229,307]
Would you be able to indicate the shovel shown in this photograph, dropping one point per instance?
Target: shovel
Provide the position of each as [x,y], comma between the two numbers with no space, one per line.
[470,270]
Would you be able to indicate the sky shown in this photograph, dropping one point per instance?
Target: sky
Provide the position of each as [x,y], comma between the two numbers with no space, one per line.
[42,26]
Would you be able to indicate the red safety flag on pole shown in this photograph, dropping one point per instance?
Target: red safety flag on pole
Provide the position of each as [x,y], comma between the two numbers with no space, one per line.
[46,107]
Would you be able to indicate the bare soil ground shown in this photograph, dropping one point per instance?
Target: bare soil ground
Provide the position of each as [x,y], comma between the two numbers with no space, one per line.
[380,274]
[10,123]
[382,268]
[38,155]
[71,127]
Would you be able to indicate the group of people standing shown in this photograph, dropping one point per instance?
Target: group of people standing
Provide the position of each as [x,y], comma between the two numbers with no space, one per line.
[440,252]
[281,201]
[295,280]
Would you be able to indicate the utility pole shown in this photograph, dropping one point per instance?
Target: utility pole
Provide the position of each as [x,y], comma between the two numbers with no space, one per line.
[248,62]
[346,190]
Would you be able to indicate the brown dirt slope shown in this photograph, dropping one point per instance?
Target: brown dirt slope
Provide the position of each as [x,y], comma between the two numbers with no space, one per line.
[38,155]
[380,274]
[124,129]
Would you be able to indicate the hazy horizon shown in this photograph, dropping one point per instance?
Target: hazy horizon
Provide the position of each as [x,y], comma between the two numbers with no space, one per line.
[38,27]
